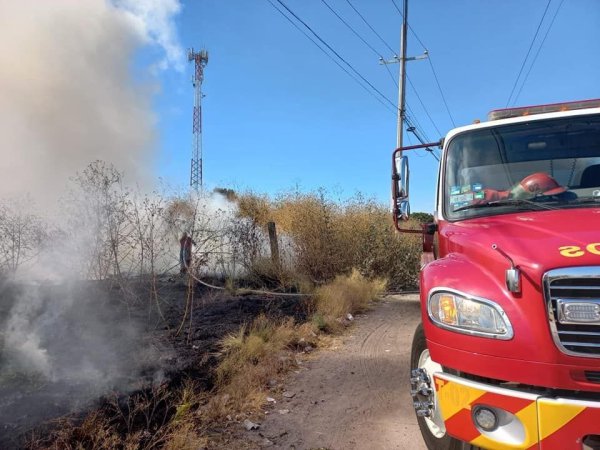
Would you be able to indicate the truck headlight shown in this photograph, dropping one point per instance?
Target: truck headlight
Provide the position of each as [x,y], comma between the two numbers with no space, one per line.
[470,315]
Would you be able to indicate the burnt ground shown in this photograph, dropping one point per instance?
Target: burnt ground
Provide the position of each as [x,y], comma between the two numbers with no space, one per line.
[106,340]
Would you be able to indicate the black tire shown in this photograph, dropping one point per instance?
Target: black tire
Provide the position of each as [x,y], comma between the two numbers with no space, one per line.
[446,442]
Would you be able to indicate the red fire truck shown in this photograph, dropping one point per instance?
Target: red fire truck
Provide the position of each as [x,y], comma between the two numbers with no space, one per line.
[508,352]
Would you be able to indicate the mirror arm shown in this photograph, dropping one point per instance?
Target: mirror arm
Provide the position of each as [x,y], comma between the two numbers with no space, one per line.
[409,230]
[430,228]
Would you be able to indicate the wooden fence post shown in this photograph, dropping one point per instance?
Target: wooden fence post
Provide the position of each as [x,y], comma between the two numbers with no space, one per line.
[274,243]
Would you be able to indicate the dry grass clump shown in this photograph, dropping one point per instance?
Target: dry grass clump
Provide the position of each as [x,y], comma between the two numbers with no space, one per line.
[253,358]
[347,294]
[255,207]
[322,238]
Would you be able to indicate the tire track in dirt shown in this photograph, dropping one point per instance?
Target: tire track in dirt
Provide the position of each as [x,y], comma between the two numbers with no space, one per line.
[356,396]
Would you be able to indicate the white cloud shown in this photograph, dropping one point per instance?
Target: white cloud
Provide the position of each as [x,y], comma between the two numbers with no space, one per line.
[153,20]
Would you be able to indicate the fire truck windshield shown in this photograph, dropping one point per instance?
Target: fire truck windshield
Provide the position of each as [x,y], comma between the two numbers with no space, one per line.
[552,162]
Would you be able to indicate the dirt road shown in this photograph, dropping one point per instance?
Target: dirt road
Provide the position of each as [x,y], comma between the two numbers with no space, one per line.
[355,396]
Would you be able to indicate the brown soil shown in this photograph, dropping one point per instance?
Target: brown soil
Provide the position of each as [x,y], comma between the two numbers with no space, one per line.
[355,395]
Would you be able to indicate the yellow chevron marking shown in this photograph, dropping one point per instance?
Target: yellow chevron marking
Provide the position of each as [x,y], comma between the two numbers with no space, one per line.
[454,396]
[555,414]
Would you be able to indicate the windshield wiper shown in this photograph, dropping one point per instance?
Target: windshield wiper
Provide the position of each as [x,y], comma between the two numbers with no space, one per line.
[582,200]
[506,202]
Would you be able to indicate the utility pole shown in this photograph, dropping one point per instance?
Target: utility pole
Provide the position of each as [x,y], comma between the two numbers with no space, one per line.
[402,73]
[402,77]
[200,60]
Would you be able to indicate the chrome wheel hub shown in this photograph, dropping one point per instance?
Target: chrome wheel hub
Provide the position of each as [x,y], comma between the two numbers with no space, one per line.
[424,396]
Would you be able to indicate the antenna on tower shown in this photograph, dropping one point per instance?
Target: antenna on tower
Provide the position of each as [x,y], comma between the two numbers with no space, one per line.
[200,60]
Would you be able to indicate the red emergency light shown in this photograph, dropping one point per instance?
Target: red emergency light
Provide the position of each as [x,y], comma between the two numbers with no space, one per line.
[507,113]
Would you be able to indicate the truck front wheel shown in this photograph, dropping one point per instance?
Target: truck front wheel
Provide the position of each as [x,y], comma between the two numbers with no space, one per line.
[425,401]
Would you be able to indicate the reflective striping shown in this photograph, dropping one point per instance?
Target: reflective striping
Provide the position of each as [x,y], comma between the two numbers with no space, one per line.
[548,424]
[462,421]
[454,396]
[554,414]
[529,417]
[457,397]
[510,404]
[570,435]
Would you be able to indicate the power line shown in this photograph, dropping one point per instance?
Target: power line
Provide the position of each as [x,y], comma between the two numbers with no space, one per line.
[412,116]
[394,2]
[363,40]
[528,52]
[352,29]
[336,53]
[372,29]
[391,74]
[414,131]
[538,50]
[430,64]
[333,59]
[408,118]
[441,91]
[423,105]
[409,27]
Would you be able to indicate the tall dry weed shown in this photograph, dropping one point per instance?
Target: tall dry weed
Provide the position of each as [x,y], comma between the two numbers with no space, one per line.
[253,357]
[326,238]
[347,294]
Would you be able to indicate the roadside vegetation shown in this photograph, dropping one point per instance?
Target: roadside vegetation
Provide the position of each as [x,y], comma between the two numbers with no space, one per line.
[342,255]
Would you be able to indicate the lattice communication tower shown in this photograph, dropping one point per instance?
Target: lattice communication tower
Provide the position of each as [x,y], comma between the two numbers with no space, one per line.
[200,60]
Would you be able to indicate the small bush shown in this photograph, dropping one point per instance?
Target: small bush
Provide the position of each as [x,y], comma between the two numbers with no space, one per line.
[252,357]
[323,238]
[346,294]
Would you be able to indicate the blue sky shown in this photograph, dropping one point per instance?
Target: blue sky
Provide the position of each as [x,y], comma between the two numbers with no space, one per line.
[278,114]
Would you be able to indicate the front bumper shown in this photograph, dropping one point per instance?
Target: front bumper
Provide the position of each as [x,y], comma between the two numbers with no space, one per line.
[527,420]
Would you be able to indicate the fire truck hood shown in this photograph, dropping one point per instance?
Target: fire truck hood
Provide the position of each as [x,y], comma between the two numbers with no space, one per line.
[536,241]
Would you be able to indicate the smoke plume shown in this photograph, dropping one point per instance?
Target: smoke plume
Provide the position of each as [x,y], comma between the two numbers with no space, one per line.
[69,97]
[68,94]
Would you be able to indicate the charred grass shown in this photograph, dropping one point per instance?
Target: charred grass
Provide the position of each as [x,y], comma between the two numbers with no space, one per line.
[205,405]
[230,351]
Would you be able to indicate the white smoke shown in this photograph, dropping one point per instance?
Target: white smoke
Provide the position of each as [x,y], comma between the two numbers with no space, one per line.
[68,95]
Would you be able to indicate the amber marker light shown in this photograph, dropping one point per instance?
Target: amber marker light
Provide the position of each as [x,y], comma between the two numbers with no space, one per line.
[448,309]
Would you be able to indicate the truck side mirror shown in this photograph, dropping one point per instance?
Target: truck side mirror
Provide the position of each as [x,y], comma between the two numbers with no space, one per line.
[400,179]
[404,210]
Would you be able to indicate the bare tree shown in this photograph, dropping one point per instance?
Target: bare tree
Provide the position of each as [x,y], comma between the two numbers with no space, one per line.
[22,233]
[99,208]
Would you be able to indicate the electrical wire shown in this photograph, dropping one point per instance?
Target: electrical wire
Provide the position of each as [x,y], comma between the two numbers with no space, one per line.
[336,53]
[334,60]
[412,129]
[528,52]
[391,74]
[423,105]
[407,117]
[440,89]
[409,27]
[538,50]
[352,29]
[412,117]
[430,64]
[372,29]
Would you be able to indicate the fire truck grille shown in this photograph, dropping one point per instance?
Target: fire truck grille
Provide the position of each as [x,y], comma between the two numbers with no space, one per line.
[580,285]
[592,376]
